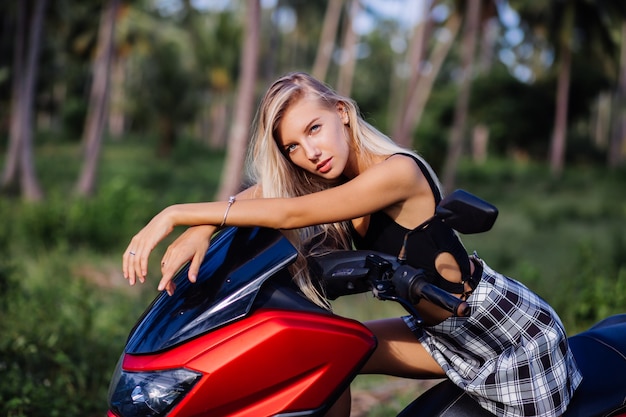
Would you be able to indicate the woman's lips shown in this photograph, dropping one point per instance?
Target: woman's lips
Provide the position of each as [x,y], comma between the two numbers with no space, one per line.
[324,166]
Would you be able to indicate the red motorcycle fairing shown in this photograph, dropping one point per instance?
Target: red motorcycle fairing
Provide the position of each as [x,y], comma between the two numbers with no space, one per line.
[271,362]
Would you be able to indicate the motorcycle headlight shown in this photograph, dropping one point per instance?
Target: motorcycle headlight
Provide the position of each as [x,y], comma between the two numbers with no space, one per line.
[149,394]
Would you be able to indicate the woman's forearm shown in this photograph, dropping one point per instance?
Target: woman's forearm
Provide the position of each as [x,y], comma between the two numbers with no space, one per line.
[209,215]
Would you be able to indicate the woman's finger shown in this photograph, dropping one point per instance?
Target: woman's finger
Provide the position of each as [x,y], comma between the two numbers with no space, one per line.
[129,260]
[194,266]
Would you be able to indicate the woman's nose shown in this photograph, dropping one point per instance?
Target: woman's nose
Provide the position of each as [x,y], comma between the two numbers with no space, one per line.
[311,151]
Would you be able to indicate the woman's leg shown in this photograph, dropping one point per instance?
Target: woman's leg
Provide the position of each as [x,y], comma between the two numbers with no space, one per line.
[399,353]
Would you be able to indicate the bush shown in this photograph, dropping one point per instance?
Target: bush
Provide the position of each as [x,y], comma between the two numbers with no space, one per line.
[61,338]
[598,286]
[100,223]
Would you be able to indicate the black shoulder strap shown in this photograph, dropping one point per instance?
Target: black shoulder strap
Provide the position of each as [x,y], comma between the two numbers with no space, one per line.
[426,172]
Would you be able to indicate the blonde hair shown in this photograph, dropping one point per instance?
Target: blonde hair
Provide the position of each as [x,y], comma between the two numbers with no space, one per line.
[279,177]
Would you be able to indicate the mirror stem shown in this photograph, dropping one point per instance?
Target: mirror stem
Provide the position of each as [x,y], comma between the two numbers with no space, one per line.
[402,254]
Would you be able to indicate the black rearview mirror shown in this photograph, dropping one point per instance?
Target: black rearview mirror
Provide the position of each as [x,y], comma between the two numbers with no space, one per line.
[463,212]
[466,213]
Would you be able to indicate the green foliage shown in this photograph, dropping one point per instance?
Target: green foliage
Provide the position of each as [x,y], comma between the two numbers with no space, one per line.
[60,338]
[600,282]
[519,116]
[73,115]
[431,137]
[99,223]
[172,98]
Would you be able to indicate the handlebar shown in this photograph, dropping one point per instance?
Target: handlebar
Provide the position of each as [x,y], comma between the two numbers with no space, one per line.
[442,298]
[411,283]
[351,272]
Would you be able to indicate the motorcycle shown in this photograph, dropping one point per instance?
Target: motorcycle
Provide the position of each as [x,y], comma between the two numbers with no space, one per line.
[243,340]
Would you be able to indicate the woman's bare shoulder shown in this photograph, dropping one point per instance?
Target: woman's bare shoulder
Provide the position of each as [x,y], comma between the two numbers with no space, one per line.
[404,171]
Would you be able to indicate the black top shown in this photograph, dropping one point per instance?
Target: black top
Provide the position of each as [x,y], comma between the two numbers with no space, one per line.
[423,246]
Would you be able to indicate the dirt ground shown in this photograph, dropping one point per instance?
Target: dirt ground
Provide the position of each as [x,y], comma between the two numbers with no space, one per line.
[363,400]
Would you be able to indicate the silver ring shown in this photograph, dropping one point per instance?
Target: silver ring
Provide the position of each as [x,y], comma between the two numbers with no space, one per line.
[132,253]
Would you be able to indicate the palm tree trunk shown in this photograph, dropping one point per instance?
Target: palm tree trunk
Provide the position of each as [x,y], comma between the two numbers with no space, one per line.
[327,39]
[437,58]
[617,143]
[21,142]
[11,165]
[218,121]
[98,100]
[117,116]
[420,93]
[455,148]
[557,145]
[31,189]
[349,44]
[232,174]
[416,53]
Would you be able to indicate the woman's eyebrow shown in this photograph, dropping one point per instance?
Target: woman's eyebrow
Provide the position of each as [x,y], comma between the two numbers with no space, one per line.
[311,123]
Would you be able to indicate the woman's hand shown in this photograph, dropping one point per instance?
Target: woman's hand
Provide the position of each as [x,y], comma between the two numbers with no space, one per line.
[135,258]
[190,245]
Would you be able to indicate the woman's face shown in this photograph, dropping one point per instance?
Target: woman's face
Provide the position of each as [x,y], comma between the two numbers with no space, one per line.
[315,138]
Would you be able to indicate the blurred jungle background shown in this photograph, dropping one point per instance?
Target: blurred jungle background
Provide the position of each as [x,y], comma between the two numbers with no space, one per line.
[112,109]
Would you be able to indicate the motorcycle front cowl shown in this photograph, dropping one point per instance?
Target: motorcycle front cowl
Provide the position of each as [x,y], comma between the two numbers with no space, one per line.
[235,267]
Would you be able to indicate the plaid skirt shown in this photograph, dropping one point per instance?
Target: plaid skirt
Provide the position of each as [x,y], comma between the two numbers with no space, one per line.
[511,354]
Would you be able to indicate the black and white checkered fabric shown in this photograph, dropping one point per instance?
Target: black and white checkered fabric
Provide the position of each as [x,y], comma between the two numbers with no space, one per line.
[511,353]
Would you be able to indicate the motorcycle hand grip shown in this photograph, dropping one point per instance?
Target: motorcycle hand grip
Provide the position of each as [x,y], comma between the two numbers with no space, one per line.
[411,284]
[441,298]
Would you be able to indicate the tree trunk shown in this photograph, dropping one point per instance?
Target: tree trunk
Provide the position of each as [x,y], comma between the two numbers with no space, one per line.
[417,50]
[117,115]
[98,100]
[426,81]
[232,174]
[11,166]
[167,136]
[327,39]
[559,134]
[490,29]
[31,190]
[348,55]
[455,148]
[418,95]
[557,145]
[218,121]
[617,142]
[21,142]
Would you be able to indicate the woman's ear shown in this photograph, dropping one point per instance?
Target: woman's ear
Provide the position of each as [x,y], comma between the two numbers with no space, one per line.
[343,113]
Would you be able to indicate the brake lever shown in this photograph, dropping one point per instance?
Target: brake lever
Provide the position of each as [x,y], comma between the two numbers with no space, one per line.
[384,289]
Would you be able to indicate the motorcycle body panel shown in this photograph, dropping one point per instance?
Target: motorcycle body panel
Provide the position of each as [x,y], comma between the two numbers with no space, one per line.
[601,356]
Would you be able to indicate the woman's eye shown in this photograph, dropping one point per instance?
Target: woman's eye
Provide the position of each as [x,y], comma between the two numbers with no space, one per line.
[291,148]
[314,128]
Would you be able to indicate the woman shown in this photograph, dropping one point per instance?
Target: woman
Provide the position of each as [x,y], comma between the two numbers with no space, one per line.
[330,180]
